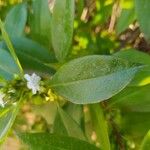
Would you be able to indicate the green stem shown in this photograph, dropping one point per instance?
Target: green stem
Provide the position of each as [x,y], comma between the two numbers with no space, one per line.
[100,125]
[10,46]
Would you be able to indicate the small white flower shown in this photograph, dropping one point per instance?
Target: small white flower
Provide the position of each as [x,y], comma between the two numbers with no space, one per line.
[2,104]
[33,82]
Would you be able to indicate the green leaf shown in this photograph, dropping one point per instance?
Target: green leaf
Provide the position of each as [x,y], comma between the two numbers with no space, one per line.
[40,21]
[45,141]
[16,20]
[47,111]
[92,79]
[62,27]
[32,56]
[76,112]
[142,8]
[65,125]
[32,48]
[146,142]
[8,67]
[135,56]
[133,99]
[7,120]
[10,47]
[126,18]
[79,8]
[135,124]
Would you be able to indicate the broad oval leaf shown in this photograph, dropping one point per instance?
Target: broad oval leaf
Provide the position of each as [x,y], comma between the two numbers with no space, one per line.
[8,67]
[45,141]
[62,27]
[142,8]
[16,20]
[65,125]
[92,79]
[6,120]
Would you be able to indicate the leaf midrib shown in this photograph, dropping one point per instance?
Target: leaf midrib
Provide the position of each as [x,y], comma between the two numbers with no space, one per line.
[74,82]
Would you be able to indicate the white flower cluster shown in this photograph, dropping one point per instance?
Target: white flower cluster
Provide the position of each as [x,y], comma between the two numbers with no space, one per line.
[33,82]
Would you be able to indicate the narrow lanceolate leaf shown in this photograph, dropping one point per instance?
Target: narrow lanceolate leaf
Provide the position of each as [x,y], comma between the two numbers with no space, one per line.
[8,67]
[45,141]
[146,142]
[6,121]
[40,21]
[65,125]
[92,79]
[62,27]
[142,8]
[16,20]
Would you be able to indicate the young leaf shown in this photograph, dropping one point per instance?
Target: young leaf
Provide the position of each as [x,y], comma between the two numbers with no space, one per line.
[62,27]
[16,20]
[142,11]
[65,125]
[7,120]
[92,79]
[40,21]
[146,142]
[8,67]
[45,141]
